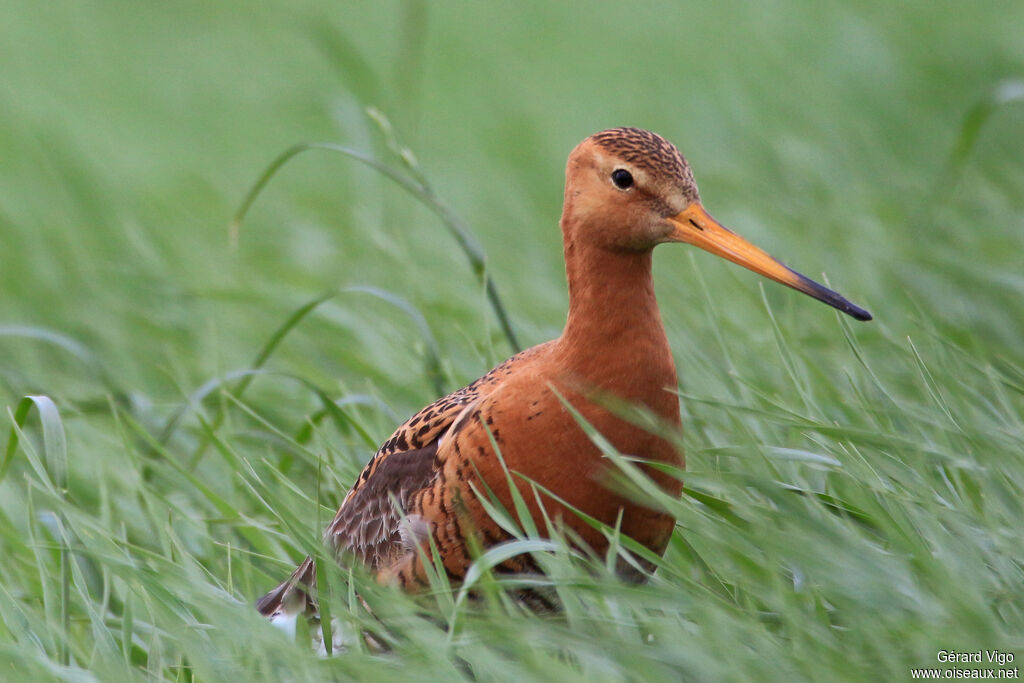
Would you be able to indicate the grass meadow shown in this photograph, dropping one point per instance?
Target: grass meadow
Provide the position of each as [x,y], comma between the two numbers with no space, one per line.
[210,359]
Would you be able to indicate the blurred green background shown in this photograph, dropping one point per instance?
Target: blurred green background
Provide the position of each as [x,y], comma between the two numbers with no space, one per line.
[876,143]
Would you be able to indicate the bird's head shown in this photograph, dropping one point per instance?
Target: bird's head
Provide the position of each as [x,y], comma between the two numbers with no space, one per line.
[628,189]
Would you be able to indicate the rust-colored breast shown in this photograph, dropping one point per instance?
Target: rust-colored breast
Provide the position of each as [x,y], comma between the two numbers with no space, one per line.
[539,440]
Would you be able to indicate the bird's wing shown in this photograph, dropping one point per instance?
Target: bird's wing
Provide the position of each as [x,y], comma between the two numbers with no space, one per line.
[369,521]
[368,524]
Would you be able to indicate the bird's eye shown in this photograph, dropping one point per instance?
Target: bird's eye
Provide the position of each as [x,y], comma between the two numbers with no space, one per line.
[622,178]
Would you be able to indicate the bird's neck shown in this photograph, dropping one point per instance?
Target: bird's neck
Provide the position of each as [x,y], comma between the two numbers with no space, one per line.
[614,337]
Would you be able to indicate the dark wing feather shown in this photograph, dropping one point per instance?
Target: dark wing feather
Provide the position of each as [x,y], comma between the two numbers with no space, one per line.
[293,595]
[368,524]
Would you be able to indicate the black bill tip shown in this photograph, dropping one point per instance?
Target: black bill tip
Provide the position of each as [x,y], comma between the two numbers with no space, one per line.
[826,295]
[858,313]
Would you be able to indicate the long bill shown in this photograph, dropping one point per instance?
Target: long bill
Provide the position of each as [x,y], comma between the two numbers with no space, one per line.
[695,226]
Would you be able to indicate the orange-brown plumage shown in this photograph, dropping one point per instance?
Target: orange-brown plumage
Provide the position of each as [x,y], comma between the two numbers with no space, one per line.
[627,190]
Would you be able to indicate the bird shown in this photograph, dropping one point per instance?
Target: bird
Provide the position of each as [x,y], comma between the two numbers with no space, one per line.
[627,190]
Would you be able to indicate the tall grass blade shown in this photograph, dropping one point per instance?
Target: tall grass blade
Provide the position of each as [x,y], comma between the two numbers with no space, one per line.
[464,237]
[55,452]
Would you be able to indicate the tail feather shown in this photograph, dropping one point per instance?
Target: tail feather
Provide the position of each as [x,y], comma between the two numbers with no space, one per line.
[294,596]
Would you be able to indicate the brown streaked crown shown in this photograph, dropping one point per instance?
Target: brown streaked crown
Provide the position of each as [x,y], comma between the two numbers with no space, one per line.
[650,152]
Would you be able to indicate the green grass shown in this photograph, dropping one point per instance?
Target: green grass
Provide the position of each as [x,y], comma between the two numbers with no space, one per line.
[200,405]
